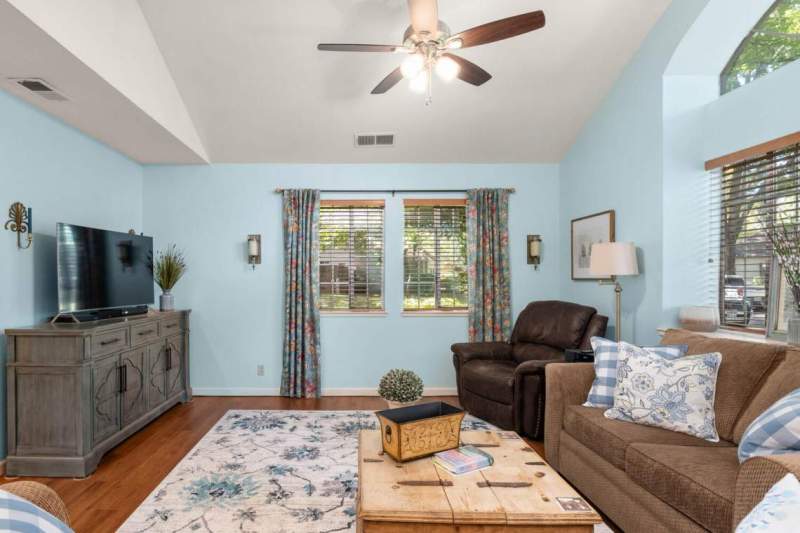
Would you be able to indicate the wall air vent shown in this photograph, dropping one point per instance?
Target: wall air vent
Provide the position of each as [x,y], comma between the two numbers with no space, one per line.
[40,87]
[369,140]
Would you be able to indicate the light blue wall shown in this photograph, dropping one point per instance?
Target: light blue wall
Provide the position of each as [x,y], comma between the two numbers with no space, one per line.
[237,313]
[616,163]
[643,155]
[65,177]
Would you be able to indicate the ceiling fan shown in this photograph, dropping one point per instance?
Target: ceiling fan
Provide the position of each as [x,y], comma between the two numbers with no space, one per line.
[429,44]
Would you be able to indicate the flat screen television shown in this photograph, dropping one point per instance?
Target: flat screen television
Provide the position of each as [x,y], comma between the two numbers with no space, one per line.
[103,270]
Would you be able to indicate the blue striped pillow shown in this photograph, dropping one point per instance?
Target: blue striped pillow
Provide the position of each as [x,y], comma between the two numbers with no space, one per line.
[606,357]
[775,431]
[18,514]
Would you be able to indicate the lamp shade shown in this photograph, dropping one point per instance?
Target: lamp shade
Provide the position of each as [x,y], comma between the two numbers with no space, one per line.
[614,259]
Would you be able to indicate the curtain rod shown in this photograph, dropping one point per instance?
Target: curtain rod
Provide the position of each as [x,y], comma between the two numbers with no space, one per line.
[395,191]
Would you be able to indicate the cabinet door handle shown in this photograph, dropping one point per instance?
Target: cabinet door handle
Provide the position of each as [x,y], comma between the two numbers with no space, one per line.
[119,379]
[125,378]
[170,326]
[146,332]
[112,341]
[169,358]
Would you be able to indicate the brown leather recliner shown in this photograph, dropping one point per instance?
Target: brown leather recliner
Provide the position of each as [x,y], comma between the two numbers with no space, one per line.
[503,383]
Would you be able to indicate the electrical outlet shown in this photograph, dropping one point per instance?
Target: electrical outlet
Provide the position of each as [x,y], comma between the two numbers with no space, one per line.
[260,370]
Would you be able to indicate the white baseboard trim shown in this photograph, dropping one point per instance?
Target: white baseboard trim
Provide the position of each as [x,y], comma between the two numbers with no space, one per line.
[335,391]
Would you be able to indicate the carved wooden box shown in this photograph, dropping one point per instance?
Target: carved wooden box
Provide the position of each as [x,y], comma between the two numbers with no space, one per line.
[420,430]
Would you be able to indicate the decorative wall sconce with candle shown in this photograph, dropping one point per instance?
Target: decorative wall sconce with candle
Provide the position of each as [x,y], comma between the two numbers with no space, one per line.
[254,250]
[534,250]
[20,220]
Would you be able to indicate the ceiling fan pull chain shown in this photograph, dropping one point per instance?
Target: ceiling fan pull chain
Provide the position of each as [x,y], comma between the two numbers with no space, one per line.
[429,97]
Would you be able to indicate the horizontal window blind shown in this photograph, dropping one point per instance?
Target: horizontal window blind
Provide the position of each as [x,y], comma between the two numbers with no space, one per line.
[750,200]
[351,255]
[435,255]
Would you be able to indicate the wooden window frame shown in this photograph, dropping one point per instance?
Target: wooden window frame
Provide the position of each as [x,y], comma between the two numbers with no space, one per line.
[357,311]
[436,311]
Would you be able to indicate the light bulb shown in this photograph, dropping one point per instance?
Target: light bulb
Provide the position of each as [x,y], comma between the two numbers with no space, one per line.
[412,65]
[447,69]
[419,84]
[455,44]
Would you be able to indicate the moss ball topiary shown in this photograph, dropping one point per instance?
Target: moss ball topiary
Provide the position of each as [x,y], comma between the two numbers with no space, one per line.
[399,385]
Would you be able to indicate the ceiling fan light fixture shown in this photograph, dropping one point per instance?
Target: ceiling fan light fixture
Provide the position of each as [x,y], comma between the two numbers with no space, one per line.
[447,69]
[419,84]
[412,66]
[455,44]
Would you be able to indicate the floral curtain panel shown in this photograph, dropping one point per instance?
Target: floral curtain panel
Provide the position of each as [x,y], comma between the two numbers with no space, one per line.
[301,347]
[488,265]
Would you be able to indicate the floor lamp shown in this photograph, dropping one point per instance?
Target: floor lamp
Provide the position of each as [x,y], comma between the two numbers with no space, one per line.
[614,259]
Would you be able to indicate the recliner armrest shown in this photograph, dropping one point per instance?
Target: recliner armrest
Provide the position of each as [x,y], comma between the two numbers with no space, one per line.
[466,351]
[535,366]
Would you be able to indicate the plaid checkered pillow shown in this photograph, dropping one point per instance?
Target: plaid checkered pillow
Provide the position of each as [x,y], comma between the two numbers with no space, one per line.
[775,431]
[18,514]
[606,357]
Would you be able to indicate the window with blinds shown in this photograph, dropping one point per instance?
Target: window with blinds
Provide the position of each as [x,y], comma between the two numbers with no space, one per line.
[754,198]
[435,255]
[351,255]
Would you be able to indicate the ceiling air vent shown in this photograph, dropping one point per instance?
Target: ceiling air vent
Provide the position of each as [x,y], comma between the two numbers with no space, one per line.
[367,140]
[40,88]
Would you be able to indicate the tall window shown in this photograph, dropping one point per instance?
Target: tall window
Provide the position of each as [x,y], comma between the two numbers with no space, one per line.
[351,255]
[774,42]
[435,255]
[755,196]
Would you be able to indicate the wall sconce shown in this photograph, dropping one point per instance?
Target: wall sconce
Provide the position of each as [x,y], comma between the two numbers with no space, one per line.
[534,250]
[254,250]
[20,220]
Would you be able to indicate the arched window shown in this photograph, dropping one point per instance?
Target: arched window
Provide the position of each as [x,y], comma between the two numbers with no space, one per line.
[773,43]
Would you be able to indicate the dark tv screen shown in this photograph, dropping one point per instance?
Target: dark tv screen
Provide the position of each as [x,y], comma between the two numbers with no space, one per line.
[100,269]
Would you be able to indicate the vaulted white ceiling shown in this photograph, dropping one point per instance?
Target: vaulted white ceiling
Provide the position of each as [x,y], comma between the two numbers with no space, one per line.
[254,88]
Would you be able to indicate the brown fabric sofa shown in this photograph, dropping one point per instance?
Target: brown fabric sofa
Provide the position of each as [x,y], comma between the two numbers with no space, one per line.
[653,480]
[503,382]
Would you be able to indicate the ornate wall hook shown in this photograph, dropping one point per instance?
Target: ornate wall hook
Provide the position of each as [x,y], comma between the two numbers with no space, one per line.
[20,220]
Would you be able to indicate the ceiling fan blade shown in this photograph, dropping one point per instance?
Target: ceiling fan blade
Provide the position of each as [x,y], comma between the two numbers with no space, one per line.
[501,29]
[424,16]
[388,82]
[326,47]
[469,71]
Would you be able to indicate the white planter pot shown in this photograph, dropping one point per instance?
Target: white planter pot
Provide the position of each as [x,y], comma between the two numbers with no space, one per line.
[397,405]
[167,301]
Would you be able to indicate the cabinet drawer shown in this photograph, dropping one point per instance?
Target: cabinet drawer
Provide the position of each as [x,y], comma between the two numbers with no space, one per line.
[144,333]
[109,342]
[170,326]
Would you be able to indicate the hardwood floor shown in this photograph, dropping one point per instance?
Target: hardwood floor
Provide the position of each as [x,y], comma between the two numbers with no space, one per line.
[129,472]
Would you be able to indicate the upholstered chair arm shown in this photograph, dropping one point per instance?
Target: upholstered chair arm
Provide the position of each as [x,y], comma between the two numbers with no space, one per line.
[565,384]
[756,476]
[596,328]
[466,351]
[535,366]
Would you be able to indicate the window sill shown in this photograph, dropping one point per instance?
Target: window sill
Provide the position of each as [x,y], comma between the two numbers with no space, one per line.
[434,313]
[353,313]
[722,333]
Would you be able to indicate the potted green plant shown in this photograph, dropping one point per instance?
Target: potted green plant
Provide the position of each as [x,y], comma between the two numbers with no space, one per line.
[168,267]
[785,238]
[400,388]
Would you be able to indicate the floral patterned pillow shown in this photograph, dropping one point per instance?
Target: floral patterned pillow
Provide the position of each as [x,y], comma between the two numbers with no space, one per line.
[673,394]
[778,512]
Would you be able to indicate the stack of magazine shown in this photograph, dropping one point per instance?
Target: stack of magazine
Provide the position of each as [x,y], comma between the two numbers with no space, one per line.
[462,460]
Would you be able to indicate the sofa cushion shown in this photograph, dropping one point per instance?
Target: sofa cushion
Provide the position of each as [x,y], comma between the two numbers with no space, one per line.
[610,438]
[491,379]
[556,324]
[781,380]
[699,481]
[744,365]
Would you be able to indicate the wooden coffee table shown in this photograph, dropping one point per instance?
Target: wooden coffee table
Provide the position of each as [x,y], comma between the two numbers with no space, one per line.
[519,493]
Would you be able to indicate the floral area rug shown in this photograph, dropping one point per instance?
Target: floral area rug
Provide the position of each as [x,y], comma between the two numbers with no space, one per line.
[259,471]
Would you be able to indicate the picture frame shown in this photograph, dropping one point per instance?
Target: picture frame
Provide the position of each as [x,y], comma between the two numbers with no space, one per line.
[584,232]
